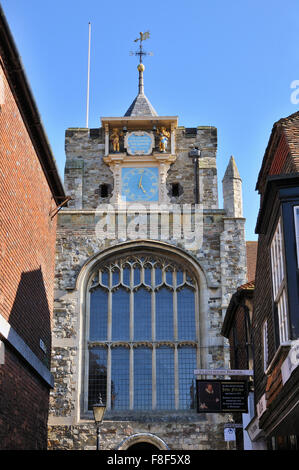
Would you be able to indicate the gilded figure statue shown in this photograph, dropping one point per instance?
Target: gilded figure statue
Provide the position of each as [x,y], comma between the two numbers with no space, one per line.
[164,136]
[114,137]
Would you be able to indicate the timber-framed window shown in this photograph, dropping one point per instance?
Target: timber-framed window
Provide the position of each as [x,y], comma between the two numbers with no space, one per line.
[265,345]
[279,282]
[142,334]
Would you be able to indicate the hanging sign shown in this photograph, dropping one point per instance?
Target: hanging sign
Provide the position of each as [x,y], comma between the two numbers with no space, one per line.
[229,434]
[221,396]
[223,372]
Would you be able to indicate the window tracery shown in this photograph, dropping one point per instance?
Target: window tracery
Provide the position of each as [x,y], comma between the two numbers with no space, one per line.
[142,337]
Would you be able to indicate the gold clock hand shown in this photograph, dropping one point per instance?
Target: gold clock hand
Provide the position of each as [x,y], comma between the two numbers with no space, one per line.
[142,188]
[139,186]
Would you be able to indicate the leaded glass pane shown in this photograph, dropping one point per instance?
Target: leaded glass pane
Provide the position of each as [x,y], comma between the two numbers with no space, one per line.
[120,315]
[126,276]
[115,277]
[164,314]
[179,278]
[168,275]
[283,317]
[165,378]
[120,373]
[105,278]
[186,314]
[98,315]
[126,305]
[142,378]
[148,276]
[136,276]
[278,280]
[142,315]
[187,364]
[97,382]
[158,276]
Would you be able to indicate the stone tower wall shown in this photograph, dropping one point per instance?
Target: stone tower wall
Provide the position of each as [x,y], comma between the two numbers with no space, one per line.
[220,257]
[85,169]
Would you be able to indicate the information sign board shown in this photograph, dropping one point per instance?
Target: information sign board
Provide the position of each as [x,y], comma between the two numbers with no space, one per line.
[221,396]
[139,143]
[223,372]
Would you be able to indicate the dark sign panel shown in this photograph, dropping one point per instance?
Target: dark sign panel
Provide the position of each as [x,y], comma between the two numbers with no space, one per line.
[221,396]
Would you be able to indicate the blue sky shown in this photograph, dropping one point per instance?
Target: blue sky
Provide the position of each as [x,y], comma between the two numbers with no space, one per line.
[228,64]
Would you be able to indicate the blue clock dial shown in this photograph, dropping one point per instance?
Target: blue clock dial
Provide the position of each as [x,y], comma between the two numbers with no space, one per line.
[140,184]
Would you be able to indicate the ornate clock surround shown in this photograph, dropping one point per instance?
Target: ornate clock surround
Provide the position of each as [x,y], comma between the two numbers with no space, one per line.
[118,158]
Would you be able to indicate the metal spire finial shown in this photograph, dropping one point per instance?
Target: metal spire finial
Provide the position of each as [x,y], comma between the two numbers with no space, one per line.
[141,53]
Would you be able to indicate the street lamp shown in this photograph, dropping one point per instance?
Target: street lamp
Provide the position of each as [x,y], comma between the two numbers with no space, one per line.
[98,414]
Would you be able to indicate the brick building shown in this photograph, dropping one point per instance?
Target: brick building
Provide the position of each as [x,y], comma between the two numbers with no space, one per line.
[146,265]
[237,322]
[276,297]
[237,328]
[30,192]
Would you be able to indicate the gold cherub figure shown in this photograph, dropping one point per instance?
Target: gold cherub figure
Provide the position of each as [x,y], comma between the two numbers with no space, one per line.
[164,136]
[114,137]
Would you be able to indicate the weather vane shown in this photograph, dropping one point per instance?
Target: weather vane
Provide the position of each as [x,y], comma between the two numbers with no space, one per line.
[141,52]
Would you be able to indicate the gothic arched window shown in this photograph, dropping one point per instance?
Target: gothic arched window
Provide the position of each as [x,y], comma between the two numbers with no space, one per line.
[142,334]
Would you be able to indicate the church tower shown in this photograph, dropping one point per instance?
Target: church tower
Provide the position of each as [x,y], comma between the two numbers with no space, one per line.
[146,265]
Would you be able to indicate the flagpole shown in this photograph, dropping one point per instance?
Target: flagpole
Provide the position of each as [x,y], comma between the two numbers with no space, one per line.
[88,74]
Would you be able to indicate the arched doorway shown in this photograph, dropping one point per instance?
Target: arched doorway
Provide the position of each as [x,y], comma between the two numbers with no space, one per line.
[146,442]
[143,447]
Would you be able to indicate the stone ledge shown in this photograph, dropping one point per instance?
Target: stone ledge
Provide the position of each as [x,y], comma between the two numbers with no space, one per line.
[19,345]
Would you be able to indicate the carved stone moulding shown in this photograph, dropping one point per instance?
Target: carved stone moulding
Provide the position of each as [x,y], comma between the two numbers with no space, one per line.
[130,125]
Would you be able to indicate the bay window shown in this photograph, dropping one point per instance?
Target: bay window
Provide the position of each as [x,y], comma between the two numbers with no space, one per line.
[279,282]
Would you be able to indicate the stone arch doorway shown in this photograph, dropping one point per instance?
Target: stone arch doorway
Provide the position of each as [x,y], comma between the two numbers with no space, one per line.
[143,447]
[143,442]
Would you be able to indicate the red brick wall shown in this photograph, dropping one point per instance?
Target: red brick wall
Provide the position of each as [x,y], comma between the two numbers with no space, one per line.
[241,332]
[251,253]
[27,250]
[27,232]
[23,406]
[238,349]
[262,312]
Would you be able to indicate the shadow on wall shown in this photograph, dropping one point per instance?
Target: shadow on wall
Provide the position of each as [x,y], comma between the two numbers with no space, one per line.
[25,399]
[30,314]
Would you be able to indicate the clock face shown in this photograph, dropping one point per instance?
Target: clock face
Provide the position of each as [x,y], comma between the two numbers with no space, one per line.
[140,184]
